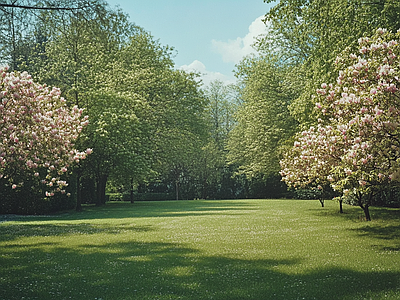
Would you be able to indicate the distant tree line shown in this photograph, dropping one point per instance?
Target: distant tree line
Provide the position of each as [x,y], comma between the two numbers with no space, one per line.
[280,87]
[151,128]
[155,132]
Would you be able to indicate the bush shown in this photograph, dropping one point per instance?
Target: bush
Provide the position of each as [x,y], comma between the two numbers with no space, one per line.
[116,197]
[151,196]
[30,200]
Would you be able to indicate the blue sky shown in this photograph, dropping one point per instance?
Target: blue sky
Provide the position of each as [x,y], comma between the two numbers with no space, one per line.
[210,36]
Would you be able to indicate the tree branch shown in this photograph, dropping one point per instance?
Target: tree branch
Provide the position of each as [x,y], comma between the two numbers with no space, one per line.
[37,7]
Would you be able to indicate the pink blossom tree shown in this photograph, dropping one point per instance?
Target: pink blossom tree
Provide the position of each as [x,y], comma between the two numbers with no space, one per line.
[356,146]
[37,132]
[310,161]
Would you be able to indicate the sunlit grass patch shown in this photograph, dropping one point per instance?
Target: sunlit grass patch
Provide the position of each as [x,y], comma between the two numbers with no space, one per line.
[242,249]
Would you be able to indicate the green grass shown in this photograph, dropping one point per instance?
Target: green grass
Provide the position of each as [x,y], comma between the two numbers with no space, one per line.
[242,249]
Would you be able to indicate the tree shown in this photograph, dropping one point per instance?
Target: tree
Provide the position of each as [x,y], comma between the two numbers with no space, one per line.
[139,105]
[183,131]
[356,147]
[308,35]
[220,109]
[14,24]
[263,121]
[19,30]
[146,117]
[37,132]
[210,167]
[106,65]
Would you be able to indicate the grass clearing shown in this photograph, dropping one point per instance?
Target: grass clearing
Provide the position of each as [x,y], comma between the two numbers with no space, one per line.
[239,249]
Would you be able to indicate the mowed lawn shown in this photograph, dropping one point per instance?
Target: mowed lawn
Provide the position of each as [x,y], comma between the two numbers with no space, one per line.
[239,249]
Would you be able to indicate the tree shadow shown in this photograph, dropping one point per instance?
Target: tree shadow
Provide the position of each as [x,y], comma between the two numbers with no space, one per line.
[382,232]
[356,214]
[144,270]
[145,209]
[16,231]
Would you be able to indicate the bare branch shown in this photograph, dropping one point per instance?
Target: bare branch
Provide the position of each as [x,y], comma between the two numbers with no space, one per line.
[38,7]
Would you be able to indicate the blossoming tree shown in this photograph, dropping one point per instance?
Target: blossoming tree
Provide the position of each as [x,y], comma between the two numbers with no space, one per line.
[37,131]
[356,145]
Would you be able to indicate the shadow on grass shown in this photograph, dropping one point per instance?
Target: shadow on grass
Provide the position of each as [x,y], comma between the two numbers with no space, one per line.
[142,270]
[382,232]
[148,209]
[356,214]
[385,224]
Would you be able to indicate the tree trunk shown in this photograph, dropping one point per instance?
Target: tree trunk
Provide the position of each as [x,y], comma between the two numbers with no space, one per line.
[366,212]
[204,190]
[101,190]
[365,206]
[78,193]
[131,194]
[177,189]
[341,206]
[322,202]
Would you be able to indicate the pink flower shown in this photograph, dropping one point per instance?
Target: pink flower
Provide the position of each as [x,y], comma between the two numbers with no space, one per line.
[378,111]
[381,31]
[14,186]
[363,40]
[392,88]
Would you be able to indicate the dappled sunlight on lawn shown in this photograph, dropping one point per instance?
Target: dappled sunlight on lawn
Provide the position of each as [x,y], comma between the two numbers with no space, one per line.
[255,250]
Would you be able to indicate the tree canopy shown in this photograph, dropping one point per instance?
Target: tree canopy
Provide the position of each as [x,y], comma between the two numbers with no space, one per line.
[355,147]
[37,132]
[263,120]
[157,128]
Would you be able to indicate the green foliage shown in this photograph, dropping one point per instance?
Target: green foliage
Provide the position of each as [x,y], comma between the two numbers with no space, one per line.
[30,199]
[244,249]
[355,146]
[145,117]
[98,70]
[222,105]
[152,196]
[263,120]
[308,35]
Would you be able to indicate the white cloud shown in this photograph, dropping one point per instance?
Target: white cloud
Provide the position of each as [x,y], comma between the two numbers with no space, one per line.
[206,76]
[235,50]
[232,51]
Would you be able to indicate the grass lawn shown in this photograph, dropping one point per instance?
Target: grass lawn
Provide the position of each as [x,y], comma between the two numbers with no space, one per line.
[239,249]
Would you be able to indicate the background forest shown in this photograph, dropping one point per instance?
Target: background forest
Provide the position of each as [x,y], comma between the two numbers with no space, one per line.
[157,133]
